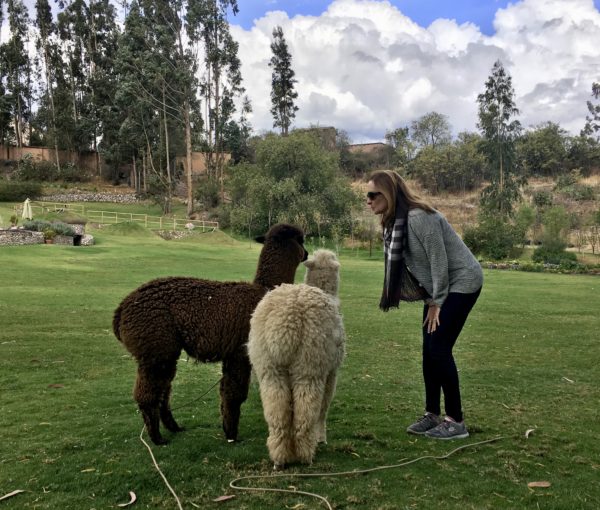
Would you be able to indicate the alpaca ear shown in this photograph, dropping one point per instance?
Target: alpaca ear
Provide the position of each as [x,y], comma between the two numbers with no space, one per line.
[309,263]
[260,239]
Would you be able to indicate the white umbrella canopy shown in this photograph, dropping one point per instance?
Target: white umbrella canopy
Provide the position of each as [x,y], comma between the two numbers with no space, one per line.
[27,214]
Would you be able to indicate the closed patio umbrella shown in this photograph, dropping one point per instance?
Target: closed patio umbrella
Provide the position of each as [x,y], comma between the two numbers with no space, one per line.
[27,215]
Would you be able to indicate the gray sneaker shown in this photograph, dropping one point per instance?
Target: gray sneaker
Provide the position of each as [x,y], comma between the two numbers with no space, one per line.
[448,430]
[422,425]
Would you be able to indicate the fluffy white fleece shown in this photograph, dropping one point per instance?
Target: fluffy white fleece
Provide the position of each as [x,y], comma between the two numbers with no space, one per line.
[296,345]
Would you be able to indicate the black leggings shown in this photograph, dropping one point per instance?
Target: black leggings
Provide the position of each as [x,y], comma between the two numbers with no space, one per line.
[439,369]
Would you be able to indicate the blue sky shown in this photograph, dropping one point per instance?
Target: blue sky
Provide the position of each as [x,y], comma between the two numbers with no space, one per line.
[423,12]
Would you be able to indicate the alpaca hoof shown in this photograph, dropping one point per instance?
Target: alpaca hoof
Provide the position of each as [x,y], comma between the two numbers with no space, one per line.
[278,466]
[159,441]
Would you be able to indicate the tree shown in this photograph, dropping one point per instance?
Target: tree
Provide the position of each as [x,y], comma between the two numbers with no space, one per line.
[404,148]
[592,125]
[46,45]
[294,180]
[222,79]
[500,132]
[433,129]
[282,83]
[543,150]
[16,70]
[451,167]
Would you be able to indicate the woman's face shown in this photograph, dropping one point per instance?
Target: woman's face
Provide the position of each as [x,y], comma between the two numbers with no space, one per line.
[375,199]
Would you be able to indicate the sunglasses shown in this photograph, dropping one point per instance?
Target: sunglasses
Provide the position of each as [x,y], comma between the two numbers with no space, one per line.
[372,195]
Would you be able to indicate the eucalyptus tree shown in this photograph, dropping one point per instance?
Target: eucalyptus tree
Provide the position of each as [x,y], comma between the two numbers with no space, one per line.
[47,47]
[283,94]
[500,132]
[16,70]
[88,34]
[221,81]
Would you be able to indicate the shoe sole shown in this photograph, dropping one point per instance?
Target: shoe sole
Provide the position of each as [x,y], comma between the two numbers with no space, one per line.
[458,436]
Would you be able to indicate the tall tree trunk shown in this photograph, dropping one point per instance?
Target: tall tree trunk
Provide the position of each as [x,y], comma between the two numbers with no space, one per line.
[167,156]
[188,158]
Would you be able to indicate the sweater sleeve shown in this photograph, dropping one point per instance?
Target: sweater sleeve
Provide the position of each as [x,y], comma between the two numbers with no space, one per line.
[429,231]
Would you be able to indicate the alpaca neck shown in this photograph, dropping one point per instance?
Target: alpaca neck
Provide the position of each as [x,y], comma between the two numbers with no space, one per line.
[270,279]
[273,270]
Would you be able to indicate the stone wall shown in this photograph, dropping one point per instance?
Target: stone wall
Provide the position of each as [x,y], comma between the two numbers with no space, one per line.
[20,237]
[121,198]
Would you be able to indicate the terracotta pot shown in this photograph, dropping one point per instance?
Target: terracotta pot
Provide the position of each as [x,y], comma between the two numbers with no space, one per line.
[48,241]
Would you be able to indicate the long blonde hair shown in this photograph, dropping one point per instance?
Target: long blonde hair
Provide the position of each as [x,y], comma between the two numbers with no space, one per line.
[391,185]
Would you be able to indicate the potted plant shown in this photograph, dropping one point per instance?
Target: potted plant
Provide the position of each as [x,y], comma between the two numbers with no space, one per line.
[49,235]
[14,220]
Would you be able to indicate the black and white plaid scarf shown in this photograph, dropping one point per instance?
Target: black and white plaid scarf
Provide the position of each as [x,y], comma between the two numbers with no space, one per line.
[398,283]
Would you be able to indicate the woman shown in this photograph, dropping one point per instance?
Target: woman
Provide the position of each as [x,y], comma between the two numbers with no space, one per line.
[425,259]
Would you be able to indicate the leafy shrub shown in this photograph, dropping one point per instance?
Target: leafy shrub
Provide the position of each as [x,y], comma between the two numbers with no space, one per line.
[579,192]
[71,173]
[58,227]
[542,199]
[11,191]
[492,238]
[566,180]
[553,254]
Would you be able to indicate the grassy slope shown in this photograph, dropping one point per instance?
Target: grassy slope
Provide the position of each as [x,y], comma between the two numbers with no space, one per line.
[70,429]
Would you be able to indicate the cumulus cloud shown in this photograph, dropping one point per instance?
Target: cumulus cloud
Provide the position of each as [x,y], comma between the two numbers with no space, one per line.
[365,67]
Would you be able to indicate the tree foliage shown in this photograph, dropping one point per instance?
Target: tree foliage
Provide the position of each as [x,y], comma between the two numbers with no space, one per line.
[500,132]
[294,180]
[431,130]
[283,94]
[592,125]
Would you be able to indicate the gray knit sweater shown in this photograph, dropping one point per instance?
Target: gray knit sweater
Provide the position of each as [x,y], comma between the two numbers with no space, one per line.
[438,258]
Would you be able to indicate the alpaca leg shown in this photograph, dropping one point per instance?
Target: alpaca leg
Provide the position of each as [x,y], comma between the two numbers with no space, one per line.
[327,398]
[166,415]
[307,396]
[276,397]
[234,391]
[151,384]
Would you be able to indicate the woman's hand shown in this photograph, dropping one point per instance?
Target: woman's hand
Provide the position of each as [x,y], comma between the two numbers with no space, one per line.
[432,321]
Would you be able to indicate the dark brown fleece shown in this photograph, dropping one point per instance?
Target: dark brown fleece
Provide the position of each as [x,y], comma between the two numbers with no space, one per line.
[207,319]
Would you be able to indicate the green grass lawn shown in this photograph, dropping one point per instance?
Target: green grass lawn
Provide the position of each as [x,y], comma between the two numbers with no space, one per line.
[528,359]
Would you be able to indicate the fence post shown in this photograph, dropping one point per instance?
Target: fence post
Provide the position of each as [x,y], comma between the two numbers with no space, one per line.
[160,222]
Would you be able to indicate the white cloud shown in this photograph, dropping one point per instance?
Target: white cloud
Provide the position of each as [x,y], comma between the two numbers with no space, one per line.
[365,67]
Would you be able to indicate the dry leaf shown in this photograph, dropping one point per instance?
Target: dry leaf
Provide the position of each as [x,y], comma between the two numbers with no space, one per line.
[223,498]
[56,386]
[568,380]
[539,484]
[296,507]
[528,432]
[11,494]
[88,470]
[132,499]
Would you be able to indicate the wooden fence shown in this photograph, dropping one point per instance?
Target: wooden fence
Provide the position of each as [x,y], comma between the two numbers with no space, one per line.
[111,217]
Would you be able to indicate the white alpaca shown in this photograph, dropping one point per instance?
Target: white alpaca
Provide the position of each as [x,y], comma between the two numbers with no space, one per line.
[296,345]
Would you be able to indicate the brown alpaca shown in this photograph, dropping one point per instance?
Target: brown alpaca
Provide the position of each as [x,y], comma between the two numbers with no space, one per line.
[207,319]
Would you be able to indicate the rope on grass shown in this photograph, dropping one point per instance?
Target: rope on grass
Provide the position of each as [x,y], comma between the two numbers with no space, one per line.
[159,470]
[233,483]
[152,454]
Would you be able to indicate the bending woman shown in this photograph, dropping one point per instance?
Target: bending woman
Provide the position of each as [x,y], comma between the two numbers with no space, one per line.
[425,259]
